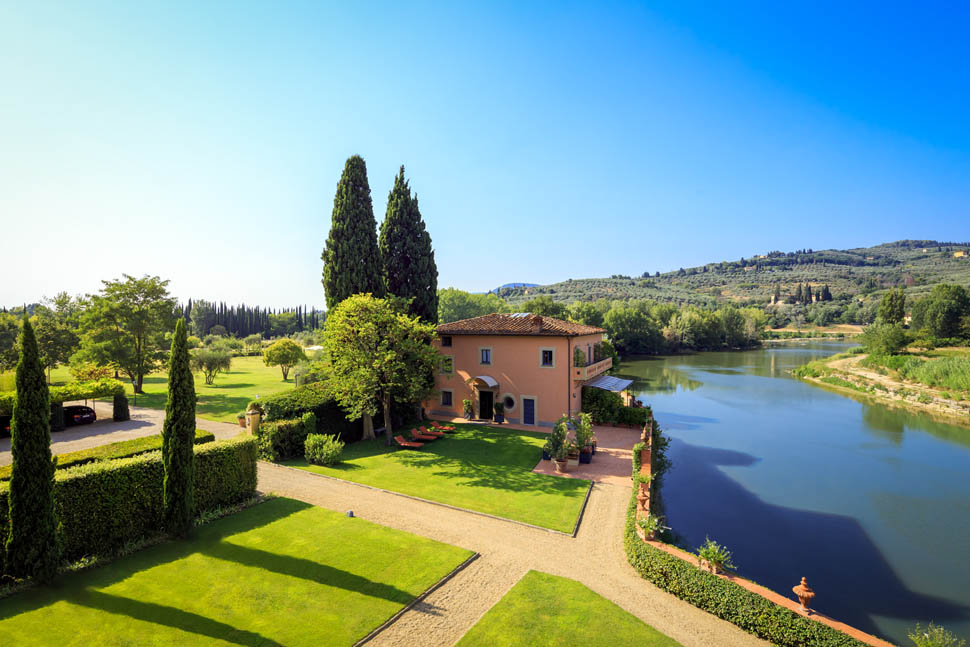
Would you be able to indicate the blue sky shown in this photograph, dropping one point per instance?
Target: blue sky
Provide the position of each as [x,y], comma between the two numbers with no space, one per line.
[203,141]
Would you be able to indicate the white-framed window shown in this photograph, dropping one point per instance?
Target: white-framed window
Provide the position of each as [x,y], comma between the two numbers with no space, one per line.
[447,364]
[447,398]
[547,357]
[485,356]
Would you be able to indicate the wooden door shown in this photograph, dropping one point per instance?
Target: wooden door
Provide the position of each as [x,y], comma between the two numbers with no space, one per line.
[485,404]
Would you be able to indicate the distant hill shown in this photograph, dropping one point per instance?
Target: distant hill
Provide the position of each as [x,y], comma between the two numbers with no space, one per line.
[509,286]
[916,264]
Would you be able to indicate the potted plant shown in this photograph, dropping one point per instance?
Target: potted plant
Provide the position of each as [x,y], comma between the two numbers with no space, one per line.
[241,417]
[583,425]
[717,557]
[650,525]
[572,454]
[467,409]
[555,447]
[594,441]
[499,408]
[560,458]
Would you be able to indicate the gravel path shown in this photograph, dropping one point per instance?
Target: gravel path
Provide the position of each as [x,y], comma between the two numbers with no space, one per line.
[508,550]
[144,422]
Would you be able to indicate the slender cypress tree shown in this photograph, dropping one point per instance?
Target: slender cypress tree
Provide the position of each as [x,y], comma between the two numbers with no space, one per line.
[351,260]
[31,543]
[178,436]
[409,268]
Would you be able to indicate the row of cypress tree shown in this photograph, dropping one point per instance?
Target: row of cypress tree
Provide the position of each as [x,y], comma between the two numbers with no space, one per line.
[31,548]
[399,263]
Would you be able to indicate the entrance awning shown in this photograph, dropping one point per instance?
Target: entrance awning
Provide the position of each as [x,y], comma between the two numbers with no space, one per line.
[488,380]
[609,383]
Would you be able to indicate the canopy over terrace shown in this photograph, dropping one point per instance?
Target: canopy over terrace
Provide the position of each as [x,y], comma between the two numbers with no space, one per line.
[609,383]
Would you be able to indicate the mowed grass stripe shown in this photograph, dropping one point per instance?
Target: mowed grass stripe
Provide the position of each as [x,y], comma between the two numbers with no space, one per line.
[280,573]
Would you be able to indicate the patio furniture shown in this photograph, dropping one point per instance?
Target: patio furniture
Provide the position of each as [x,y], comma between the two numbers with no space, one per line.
[407,444]
[421,437]
[430,432]
[439,427]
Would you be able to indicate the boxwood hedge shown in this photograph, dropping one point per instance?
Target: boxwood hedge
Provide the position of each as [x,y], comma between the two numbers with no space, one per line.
[103,505]
[283,439]
[103,388]
[120,449]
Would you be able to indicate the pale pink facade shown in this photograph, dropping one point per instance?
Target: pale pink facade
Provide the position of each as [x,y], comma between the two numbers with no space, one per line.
[533,374]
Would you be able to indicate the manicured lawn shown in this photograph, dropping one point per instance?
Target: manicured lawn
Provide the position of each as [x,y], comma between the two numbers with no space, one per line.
[221,401]
[548,610]
[280,573]
[487,469]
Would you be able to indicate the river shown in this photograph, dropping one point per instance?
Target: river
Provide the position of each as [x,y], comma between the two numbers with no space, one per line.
[870,503]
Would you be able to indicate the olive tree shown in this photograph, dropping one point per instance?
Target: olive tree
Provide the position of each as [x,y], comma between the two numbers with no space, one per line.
[210,362]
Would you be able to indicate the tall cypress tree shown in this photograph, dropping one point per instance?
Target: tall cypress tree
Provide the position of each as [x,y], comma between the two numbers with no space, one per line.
[178,436]
[351,261]
[409,268]
[31,546]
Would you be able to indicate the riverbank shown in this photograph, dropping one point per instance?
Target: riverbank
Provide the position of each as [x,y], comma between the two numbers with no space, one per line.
[844,372]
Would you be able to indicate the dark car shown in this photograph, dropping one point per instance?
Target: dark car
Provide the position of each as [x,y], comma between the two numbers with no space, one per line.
[4,426]
[77,414]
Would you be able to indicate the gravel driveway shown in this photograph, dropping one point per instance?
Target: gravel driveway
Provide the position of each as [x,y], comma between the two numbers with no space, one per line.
[508,550]
[144,422]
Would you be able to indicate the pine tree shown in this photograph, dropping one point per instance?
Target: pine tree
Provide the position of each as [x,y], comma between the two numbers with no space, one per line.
[31,545]
[826,293]
[351,261]
[178,436]
[405,245]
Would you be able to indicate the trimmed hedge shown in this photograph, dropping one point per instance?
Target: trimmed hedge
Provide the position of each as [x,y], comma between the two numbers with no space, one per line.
[120,449]
[102,388]
[283,439]
[102,506]
[607,407]
[331,419]
[722,597]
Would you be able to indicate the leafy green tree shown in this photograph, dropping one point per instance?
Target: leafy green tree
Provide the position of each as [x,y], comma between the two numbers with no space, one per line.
[378,355]
[31,548]
[732,327]
[210,362]
[283,324]
[798,293]
[405,245]
[892,309]
[284,353]
[55,325]
[253,343]
[544,306]
[178,437]
[455,305]
[826,293]
[351,259]
[942,313]
[125,325]
[884,338]
[632,330]
[587,313]
[9,330]
[203,317]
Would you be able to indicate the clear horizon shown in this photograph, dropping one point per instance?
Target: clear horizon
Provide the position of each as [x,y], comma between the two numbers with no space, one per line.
[203,144]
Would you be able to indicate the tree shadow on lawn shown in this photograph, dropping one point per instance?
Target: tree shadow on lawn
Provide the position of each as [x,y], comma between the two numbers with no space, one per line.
[174,617]
[306,569]
[217,385]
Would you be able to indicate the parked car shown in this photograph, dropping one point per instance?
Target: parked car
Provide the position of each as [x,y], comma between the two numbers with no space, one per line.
[77,414]
[4,426]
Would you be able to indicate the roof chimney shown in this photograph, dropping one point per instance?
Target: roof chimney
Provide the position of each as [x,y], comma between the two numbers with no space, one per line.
[536,324]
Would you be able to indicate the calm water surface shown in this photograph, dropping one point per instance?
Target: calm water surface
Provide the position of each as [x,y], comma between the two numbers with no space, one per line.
[871,504]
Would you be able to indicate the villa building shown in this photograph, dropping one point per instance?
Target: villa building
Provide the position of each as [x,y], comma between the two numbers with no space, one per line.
[536,366]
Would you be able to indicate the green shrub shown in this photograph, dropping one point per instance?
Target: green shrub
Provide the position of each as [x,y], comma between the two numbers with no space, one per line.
[103,505]
[884,338]
[716,555]
[323,450]
[934,636]
[119,409]
[283,439]
[120,449]
[607,407]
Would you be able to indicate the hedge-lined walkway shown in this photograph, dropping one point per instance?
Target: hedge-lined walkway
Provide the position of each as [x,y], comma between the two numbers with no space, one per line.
[144,422]
[508,551]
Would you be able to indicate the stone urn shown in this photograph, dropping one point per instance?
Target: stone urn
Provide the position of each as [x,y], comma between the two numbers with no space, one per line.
[805,594]
[642,499]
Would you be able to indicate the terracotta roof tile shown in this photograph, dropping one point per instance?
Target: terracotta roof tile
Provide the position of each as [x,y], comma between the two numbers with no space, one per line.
[517,324]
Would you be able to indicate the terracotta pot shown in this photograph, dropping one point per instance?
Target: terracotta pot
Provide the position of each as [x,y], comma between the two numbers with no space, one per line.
[560,465]
[242,421]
